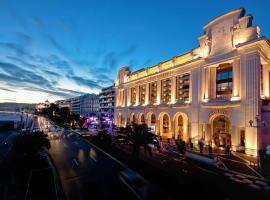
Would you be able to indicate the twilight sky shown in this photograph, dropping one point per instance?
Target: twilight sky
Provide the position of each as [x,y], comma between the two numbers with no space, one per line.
[52,49]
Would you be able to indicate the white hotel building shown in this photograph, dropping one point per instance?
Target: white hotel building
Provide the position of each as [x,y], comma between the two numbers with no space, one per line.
[218,92]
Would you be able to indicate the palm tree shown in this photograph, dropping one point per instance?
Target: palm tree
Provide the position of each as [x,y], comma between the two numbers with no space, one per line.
[64,114]
[137,135]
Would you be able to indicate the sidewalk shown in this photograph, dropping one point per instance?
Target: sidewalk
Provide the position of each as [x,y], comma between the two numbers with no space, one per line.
[236,162]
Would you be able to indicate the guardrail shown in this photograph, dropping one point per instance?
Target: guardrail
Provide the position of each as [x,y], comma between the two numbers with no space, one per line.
[41,185]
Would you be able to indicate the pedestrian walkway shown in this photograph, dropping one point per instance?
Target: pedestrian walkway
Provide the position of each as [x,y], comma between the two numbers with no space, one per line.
[235,161]
[236,164]
[251,160]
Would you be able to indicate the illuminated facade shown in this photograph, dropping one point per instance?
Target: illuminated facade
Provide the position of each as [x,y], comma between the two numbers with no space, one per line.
[218,92]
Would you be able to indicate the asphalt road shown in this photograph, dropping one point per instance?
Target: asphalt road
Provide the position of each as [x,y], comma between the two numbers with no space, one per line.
[88,173]
[85,171]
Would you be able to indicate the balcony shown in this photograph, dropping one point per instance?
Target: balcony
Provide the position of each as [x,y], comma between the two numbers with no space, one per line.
[220,102]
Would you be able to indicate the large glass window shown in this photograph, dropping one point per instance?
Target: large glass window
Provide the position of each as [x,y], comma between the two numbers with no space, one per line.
[166,90]
[142,94]
[153,92]
[133,96]
[224,81]
[182,87]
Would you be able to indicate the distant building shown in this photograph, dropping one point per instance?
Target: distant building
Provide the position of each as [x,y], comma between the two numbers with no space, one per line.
[63,103]
[83,105]
[89,103]
[75,105]
[106,103]
[17,107]
[106,100]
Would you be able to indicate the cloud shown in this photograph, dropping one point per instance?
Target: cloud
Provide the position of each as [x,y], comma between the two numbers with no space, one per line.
[63,93]
[57,45]
[85,82]
[67,25]
[129,51]
[37,20]
[21,75]
[9,100]
[6,89]
[28,67]
[51,73]
[18,49]
[26,80]
[147,62]
[24,38]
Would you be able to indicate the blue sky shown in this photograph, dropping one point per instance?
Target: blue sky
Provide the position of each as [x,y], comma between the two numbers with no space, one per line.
[58,49]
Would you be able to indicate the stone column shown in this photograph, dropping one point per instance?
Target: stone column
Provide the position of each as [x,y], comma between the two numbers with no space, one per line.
[117,97]
[171,130]
[265,80]
[173,90]
[235,137]
[213,72]
[125,97]
[128,96]
[202,83]
[207,129]
[147,93]
[158,91]
[137,95]
[121,97]
[158,132]
[190,85]
[252,107]
[236,80]
[207,83]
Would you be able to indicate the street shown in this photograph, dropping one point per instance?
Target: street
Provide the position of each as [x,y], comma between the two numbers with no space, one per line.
[85,171]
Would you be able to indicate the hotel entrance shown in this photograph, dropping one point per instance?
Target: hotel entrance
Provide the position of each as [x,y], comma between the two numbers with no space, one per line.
[221,131]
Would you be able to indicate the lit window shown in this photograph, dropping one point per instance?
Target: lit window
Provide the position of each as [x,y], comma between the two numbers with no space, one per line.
[182,87]
[153,92]
[224,81]
[166,90]
[142,89]
[133,96]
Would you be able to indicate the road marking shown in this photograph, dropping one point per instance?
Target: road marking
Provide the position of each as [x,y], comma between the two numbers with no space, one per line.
[93,154]
[75,161]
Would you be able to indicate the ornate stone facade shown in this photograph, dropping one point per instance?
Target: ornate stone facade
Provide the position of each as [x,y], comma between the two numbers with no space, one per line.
[218,92]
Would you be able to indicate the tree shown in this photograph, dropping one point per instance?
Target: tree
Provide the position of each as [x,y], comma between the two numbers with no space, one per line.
[137,135]
[54,109]
[64,113]
[31,143]
[74,117]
